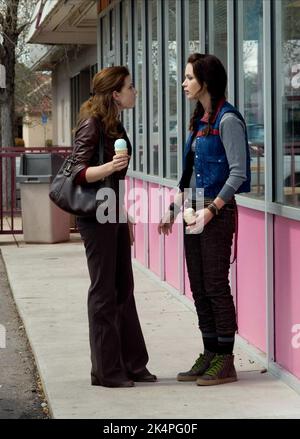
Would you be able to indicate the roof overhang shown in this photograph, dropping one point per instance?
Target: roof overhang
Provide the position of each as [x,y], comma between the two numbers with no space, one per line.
[44,57]
[64,22]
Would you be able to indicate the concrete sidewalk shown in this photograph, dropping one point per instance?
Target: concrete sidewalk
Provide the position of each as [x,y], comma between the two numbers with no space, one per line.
[49,284]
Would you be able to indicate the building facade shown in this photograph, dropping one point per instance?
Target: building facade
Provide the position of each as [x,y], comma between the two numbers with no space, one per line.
[259,43]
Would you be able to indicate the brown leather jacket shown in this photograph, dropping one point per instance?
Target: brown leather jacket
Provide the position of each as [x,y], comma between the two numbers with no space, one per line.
[86,146]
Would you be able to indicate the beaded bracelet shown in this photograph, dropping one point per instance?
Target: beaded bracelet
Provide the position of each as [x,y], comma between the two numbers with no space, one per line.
[212,207]
[174,208]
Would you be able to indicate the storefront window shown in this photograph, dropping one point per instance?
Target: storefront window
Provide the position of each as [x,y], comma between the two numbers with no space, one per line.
[252,86]
[139,87]
[93,71]
[194,40]
[107,39]
[75,102]
[218,29]
[171,79]
[101,42]
[112,30]
[125,57]
[288,103]
[125,36]
[154,71]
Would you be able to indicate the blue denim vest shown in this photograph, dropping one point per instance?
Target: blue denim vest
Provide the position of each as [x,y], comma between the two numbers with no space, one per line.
[210,161]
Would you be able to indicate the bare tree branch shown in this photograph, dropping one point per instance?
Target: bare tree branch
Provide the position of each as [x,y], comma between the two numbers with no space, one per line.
[22,27]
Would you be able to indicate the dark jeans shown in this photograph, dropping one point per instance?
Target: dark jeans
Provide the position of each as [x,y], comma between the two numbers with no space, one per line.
[116,339]
[208,262]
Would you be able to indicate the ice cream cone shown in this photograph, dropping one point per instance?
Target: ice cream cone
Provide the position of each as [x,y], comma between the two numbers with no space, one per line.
[121,151]
[120,147]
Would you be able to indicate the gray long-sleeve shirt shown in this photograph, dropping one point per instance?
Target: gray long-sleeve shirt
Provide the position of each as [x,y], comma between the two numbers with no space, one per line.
[232,134]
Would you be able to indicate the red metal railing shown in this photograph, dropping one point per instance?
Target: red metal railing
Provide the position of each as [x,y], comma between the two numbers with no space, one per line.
[10,206]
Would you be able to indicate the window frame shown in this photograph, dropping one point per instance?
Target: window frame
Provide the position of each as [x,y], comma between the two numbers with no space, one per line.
[150,5]
[234,94]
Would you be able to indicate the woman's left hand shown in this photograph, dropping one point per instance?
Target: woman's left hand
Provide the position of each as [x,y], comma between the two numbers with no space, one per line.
[203,217]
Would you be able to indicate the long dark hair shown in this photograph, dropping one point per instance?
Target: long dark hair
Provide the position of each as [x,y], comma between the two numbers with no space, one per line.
[209,69]
[102,104]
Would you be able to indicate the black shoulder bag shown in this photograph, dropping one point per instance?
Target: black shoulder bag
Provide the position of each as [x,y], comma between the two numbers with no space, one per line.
[75,198]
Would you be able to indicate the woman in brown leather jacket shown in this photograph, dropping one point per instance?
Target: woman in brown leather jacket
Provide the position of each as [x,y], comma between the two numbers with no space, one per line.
[118,352]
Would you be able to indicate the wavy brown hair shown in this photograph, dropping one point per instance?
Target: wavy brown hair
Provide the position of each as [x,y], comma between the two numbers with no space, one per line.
[101,104]
[209,69]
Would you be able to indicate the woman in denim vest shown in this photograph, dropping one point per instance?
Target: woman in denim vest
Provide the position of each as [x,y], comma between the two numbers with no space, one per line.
[216,166]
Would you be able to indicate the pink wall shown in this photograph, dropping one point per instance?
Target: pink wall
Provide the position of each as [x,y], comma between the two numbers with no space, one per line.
[287,294]
[140,227]
[154,238]
[171,251]
[127,188]
[127,205]
[251,303]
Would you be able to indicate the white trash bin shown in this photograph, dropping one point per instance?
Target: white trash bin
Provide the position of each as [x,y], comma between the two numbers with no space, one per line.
[43,221]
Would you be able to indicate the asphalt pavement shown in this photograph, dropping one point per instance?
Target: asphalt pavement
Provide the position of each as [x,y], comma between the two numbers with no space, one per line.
[21,393]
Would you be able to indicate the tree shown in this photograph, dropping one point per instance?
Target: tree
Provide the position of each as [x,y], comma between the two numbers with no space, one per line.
[14,19]
[30,89]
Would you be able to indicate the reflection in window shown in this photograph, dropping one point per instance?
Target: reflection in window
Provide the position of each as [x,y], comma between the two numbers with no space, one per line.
[253,90]
[154,133]
[171,129]
[125,25]
[194,39]
[75,102]
[63,121]
[288,169]
[102,43]
[125,58]
[194,43]
[112,30]
[218,36]
[93,71]
[107,39]
[139,85]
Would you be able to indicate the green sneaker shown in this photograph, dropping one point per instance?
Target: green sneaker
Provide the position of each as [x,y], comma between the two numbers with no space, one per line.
[220,371]
[201,365]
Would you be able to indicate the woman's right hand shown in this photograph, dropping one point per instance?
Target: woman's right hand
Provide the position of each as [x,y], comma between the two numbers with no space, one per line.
[166,223]
[119,162]
[96,173]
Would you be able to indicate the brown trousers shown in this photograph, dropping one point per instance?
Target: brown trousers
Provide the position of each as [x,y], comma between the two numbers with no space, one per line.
[116,340]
